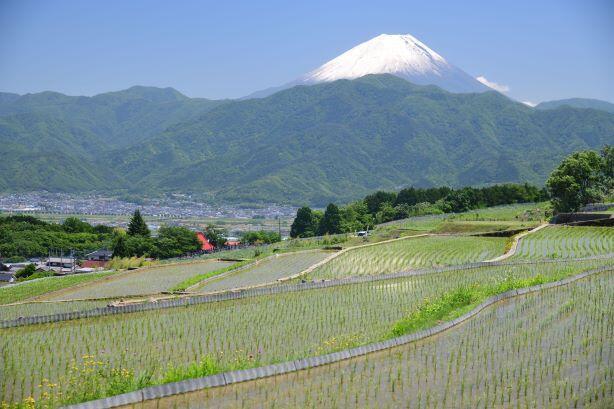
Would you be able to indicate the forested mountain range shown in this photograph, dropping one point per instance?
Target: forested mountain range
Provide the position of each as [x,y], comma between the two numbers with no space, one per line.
[578,103]
[334,141]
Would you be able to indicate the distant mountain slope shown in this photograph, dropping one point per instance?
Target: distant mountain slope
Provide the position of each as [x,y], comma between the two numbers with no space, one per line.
[333,141]
[40,152]
[403,56]
[342,139]
[578,103]
[119,118]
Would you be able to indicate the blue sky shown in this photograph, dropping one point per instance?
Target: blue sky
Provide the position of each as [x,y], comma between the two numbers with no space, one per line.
[541,50]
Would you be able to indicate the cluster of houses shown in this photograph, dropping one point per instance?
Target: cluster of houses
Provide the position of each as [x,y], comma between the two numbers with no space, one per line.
[60,265]
[96,260]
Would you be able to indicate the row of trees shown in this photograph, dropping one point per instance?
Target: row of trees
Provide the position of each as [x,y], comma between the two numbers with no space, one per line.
[581,178]
[137,241]
[23,236]
[333,220]
[382,206]
[260,237]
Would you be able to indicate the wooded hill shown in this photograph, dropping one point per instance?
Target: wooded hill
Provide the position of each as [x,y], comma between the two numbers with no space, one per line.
[306,145]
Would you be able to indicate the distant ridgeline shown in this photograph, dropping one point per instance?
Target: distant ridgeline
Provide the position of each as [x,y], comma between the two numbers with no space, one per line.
[331,142]
[382,206]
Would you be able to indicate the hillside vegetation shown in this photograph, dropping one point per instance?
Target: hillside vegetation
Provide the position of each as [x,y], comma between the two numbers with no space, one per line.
[308,144]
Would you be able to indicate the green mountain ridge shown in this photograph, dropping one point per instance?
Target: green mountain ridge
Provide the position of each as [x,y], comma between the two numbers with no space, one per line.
[586,103]
[309,144]
[341,140]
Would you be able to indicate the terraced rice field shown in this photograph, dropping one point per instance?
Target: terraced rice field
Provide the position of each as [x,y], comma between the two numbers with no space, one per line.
[34,288]
[410,253]
[254,331]
[145,281]
[266,271]
[566,242]
[545,350]
[9,312]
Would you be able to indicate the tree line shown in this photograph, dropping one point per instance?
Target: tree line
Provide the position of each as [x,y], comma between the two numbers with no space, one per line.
[581,178]
[136,241]
[384,206]
[24,236]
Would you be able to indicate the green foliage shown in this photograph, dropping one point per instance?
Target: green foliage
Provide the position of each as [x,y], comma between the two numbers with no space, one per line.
[120,248]
[261,237]
[26,236]
[585,103]
[216,236]
[432,311]
[171,242]
[382,207]
[174,242]
[375,201]
[331,222]
[74,225]
[305,223]
[38,274]
[137,226]
[581,178]
[69,142]
[26,272]
[330,142]
[355,217]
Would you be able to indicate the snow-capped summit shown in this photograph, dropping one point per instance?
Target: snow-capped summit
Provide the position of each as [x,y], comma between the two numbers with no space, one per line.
[384,54]
[401,55]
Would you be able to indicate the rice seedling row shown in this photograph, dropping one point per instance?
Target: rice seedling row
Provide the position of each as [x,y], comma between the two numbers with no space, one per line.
[32,309]
[254,331]
[566,242]
[408,253]
[267,271]
[542,350]
[151,280]
[26,290]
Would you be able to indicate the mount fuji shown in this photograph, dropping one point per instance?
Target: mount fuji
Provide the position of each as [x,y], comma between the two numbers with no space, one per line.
[401,55]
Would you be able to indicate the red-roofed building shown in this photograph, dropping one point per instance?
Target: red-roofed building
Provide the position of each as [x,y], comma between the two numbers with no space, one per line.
[204,242]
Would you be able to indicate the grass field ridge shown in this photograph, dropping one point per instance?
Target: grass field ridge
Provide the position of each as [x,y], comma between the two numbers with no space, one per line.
[515,240]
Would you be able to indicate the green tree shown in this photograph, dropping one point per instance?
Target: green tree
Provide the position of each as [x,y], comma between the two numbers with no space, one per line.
[607,153]
[355,217]
[374,201]
[74,225]
[261,237]
[578,180]
[216,236]
[175,241]
[26,272]
[304,224]
[331,222]
[385,213]
[120,249]
[137,226]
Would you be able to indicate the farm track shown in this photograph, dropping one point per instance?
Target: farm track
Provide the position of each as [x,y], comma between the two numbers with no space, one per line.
[256,292]
[234,377]
[516,241]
